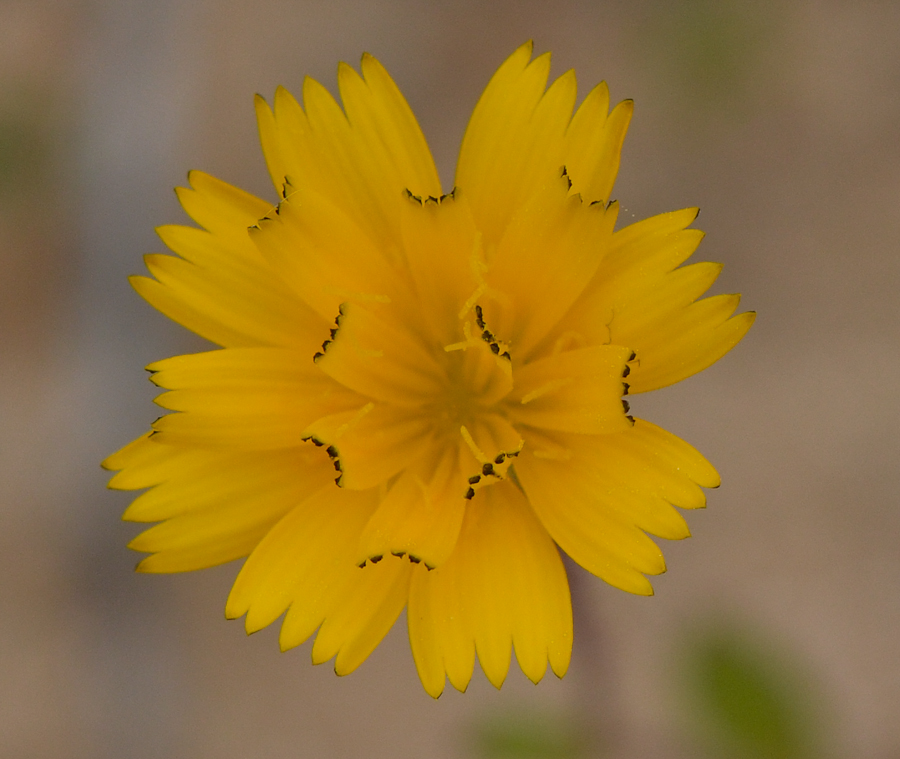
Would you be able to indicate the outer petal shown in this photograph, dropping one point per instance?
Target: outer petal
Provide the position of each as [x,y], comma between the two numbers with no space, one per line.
[640,299]
[384,123]
[361,161]
[594,144]
[596,493]
[146,461]
[548,254]
[244,398]
[217,506]
[323,254]
[306,560]
[504,585]
[515,140]
[191,480]
[223,289]
[362,616]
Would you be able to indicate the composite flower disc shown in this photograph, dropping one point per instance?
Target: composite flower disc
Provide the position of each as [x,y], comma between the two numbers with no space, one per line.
[417,398]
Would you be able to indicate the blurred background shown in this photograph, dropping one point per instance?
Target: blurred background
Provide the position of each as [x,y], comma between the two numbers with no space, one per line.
[774,634]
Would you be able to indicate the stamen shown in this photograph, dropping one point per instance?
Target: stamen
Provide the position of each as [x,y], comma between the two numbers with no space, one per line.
[568,341]
[549,387]
[552,454]
[467,343]
[491,470]
[354,421]
[473,446]
[473,298]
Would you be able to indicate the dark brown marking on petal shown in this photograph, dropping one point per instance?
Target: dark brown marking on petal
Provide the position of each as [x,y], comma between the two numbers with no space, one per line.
[474,478]
[497,347]
[376,559]
[630,418]
[333,335]
[362,565]
[626,406]
[487,470]
[626,371]
[398,554]
[414,559]
[470,494]
[625,388]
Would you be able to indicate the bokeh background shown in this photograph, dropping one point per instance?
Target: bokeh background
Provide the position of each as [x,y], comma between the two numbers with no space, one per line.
[775,632]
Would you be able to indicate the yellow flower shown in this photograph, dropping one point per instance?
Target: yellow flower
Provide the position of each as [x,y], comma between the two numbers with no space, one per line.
[418,396]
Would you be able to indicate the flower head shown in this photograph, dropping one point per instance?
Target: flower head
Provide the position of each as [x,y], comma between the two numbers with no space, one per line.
[418,396]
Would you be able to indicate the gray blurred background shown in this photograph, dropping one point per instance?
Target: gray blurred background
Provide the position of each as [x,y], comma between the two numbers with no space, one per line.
[780,120]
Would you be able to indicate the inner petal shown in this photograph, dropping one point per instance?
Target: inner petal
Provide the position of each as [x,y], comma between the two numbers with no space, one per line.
[377,355]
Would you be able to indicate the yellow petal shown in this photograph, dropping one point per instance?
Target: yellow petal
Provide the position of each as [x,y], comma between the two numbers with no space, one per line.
[322,254]
[217,305]
[639,253]
[371,444]
[244,398]
[443,252]
[515,140]
[640,299]
[688,342]
[191,480]
[594,145]
[596,493]
[420,516]
[363,163]
[372,352]
[229,271]
[574,391]
[305,561]
[546,258]
[504,585]
[140,456]
[220,207]
[270,140]
[385,125]
[362,616]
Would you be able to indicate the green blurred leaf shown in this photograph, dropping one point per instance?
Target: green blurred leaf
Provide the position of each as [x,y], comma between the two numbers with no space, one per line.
[528,735]
[746,699]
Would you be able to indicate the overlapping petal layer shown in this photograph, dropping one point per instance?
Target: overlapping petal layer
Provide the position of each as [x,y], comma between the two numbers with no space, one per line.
[418,397]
